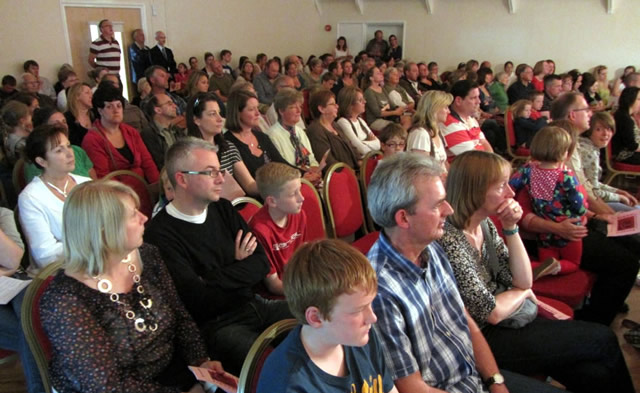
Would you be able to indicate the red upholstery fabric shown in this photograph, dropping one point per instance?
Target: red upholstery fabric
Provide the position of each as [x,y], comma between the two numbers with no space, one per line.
[570,288]
[371,165]
[558,305]
[247,210]
[312,207]
[523,151]
[345,202]
[511,132]
[306,112]
[619,166]
[5,353]
[365,243]
[146,204]
[35,316]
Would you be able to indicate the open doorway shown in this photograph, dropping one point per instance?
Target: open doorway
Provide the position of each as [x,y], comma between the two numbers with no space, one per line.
[358,34]
[82,28]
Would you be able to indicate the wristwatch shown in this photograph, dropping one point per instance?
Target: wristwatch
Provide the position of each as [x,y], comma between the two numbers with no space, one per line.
[496,378]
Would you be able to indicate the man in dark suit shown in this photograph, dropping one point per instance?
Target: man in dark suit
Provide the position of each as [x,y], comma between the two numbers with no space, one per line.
[163,56]
[138,56]
[410,81]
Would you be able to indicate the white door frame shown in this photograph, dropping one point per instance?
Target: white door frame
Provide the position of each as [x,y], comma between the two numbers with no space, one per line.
[101,4]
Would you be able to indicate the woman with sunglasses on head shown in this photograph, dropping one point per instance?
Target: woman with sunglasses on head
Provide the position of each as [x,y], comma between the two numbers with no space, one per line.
[424,134]
[205,122]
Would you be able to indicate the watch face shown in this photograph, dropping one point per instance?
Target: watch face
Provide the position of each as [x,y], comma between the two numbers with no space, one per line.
[498,378]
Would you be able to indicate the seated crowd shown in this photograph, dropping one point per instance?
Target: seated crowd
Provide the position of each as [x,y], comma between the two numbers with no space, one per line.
[140,297]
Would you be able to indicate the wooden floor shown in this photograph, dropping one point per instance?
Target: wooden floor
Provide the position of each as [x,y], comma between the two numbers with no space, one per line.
[12,379]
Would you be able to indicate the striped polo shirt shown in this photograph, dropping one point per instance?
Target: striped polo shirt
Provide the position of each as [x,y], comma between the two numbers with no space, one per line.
[107,54]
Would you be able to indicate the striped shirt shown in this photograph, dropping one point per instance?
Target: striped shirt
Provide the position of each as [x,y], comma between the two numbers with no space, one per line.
[460,135]
[229,157]
[421,319]
[107,54]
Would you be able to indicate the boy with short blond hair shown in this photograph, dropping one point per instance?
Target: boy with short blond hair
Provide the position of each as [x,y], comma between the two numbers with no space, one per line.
[330,287]
[280,225]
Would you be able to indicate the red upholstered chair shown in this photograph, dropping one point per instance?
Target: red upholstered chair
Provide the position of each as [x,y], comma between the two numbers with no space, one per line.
[31,325]
[365,243]
[369,163]
[18,178]
[343,201]
[306,112]
[7,356]
[312,206]
[557,304]
[247,207]
[571,289]
[615,168]
[148,193]
[518,154]
[260,350]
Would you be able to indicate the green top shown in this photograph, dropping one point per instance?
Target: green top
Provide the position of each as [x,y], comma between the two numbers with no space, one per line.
[499,95]
[83,165]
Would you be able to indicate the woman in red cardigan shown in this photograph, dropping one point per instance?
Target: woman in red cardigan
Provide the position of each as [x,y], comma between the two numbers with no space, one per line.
[113,145]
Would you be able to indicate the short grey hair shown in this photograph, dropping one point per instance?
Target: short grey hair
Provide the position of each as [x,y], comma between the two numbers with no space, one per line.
[179,155]
[392,185]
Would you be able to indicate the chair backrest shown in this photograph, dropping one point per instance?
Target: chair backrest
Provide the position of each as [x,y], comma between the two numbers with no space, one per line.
[261,348]
[148,194]
[18,178]
[31,324]
[508,125]
[343,200]
[247,207]
[369,163]
[7,356]
[312,206]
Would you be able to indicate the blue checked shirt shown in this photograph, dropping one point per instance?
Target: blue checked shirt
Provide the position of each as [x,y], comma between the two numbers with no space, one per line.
[421,320]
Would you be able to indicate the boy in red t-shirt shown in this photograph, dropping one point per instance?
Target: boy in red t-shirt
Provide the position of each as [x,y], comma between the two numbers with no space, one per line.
[280,225]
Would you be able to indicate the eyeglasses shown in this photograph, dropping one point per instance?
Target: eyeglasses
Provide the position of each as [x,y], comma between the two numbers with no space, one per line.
[211,172]
[394,145]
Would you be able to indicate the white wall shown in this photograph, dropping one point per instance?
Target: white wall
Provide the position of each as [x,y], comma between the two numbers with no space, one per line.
[575,33]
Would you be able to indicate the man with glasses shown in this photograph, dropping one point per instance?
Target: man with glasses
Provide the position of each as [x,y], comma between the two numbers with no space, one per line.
[212,256]
[613,259]
[161,133]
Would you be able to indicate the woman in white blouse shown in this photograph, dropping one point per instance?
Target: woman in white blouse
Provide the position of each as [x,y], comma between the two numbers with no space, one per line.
[424,134]
[351,105]
[40,203]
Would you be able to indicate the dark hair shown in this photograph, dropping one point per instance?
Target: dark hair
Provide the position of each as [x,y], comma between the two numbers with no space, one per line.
[148,73]
[224,52]
[106,92]
[195,108]
[392,35]
[482,74]
[235,104]
[107,82]
[332,66]
[65,73]
[548,79]
[431,64]
[521,68]
[192,57]
[260,56]
[241,61]
[327,76]
[338,43]
[311,57]
[28,64]
[324,56]
[39,138]
[42,115]
[509,62]
[319,97]
[9,80]
[588,80]
[462,88]
[25,98]
[627,98]
[574,75]
[470,64]
[150,106]
[207,55]
[101,22]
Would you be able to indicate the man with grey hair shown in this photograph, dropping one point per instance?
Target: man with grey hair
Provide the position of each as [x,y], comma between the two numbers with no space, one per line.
[431,342]
[212,256]
[31,84]
[161,55]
